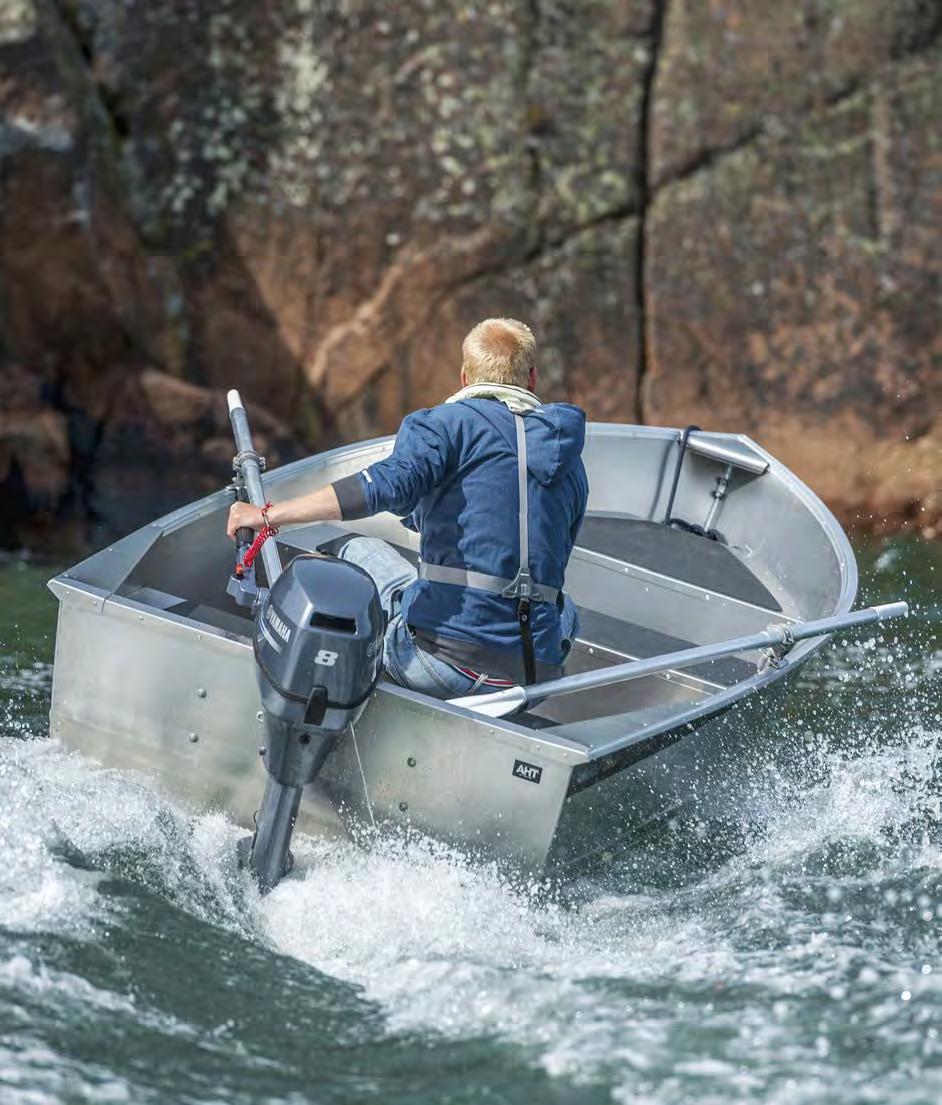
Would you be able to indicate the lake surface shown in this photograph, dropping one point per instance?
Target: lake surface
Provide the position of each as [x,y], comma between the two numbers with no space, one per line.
[787,953]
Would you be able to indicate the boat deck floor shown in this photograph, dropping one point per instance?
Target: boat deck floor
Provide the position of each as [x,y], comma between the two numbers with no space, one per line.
[671,552]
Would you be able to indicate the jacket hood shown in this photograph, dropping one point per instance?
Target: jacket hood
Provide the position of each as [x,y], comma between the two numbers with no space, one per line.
[555,439]
[555,433]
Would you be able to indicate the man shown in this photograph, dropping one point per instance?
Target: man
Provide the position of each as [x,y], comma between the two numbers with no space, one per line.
[474,617]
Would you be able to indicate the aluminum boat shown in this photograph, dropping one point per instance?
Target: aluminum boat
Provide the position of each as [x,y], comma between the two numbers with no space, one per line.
[154,667]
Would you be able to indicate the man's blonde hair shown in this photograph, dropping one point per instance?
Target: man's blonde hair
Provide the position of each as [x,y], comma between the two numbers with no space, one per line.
[499,351]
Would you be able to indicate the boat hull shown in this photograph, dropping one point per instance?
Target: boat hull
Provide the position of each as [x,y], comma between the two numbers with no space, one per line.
[197,730]
[488,787]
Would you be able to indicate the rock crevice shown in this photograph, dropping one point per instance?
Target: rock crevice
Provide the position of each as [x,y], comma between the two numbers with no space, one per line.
[645,191]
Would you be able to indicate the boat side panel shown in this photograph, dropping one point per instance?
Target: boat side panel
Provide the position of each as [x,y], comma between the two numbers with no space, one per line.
[134,690]
[715,770]
[137,690]
[456,778]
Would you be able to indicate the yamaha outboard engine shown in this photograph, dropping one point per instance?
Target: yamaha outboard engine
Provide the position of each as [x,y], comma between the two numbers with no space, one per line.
[319,653]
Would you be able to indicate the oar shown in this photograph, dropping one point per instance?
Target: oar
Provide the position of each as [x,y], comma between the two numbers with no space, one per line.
[247,462]
[513,699]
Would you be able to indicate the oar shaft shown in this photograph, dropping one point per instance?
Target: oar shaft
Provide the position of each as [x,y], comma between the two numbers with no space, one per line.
[520,697]
[252,477]
[773,635]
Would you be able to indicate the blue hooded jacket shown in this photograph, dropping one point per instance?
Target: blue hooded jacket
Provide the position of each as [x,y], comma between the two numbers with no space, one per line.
[452,476]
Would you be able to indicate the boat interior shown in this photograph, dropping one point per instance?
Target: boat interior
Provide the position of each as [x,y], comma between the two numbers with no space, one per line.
[642,587]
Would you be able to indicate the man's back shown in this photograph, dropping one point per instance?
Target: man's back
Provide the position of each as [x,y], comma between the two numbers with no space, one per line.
[453,475]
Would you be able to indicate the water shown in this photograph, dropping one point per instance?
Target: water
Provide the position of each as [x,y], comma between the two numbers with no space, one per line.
[788,955]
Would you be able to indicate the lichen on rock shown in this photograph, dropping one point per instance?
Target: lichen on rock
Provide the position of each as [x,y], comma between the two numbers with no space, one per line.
[19,20]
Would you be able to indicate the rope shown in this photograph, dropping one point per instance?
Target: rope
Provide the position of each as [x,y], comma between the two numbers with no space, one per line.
[366,789]
[255,548]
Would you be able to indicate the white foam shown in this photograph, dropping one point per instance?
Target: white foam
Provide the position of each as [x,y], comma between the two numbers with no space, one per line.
[445,946]
[599,989]
[21,974]
[57,807]
[862,796]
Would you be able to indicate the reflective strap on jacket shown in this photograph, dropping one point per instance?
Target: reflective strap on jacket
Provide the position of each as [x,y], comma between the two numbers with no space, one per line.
[497,585]
[522,586]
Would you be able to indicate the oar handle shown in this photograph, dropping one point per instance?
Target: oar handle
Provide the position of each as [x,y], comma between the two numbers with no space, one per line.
[891,610]
[248,463]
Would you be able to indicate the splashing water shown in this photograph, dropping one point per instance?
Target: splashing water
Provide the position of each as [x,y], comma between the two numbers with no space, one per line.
[790,954]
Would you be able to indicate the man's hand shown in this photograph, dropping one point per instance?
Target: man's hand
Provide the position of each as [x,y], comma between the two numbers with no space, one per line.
[243,515]
[317,506]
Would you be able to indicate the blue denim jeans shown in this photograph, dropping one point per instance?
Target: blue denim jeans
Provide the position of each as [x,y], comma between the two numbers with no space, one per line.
[408,664]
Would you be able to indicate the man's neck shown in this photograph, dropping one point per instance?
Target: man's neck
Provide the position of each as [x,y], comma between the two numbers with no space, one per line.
[516,399]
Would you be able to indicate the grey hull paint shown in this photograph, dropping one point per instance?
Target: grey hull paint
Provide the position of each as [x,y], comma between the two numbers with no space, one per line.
[145,682]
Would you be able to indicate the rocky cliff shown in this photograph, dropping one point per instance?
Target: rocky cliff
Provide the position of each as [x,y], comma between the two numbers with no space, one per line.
[722,213]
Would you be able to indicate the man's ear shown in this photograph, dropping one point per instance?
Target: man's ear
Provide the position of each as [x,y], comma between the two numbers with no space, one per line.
[531,379]
[464,378]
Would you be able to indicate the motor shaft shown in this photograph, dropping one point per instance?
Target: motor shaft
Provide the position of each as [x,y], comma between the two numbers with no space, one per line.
[270,858]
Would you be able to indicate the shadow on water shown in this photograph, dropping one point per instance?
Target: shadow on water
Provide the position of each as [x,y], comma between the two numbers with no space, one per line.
[784,951]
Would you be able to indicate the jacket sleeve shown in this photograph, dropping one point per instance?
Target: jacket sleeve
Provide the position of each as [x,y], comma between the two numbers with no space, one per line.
[582,502]
[420,459]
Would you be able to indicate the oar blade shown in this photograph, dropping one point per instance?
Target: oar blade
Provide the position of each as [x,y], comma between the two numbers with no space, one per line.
[499,704]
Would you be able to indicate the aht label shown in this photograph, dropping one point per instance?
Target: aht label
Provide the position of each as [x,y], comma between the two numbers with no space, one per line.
[528,772]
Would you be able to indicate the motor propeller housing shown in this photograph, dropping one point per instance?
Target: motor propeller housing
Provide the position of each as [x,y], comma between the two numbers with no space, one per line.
[319,652]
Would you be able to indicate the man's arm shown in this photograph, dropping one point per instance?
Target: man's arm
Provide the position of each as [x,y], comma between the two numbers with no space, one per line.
[318,506]
[421,457]
[419,460]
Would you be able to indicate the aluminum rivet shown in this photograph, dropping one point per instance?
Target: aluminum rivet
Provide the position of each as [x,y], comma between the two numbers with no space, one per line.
[201,693]
[194,737]
[403,806]
[259,716]
[411,761]
[262,750]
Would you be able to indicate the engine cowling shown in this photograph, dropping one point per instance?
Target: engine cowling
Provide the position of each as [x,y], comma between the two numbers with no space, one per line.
[319,644]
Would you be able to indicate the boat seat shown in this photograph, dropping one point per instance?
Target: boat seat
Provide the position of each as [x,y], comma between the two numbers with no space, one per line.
[634,541]
[635,642]
[674,553]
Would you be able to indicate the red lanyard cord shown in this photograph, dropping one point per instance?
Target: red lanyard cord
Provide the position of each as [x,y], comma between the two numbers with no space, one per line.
[253,550]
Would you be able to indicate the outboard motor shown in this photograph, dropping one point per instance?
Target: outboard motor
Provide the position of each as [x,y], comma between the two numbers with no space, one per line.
[319,654]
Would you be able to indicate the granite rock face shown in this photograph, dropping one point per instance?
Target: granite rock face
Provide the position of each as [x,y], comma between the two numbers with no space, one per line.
[732,70]
[712,213]
[797,276]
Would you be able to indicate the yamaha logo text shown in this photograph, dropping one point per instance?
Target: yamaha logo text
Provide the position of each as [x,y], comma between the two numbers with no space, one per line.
[279,625]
